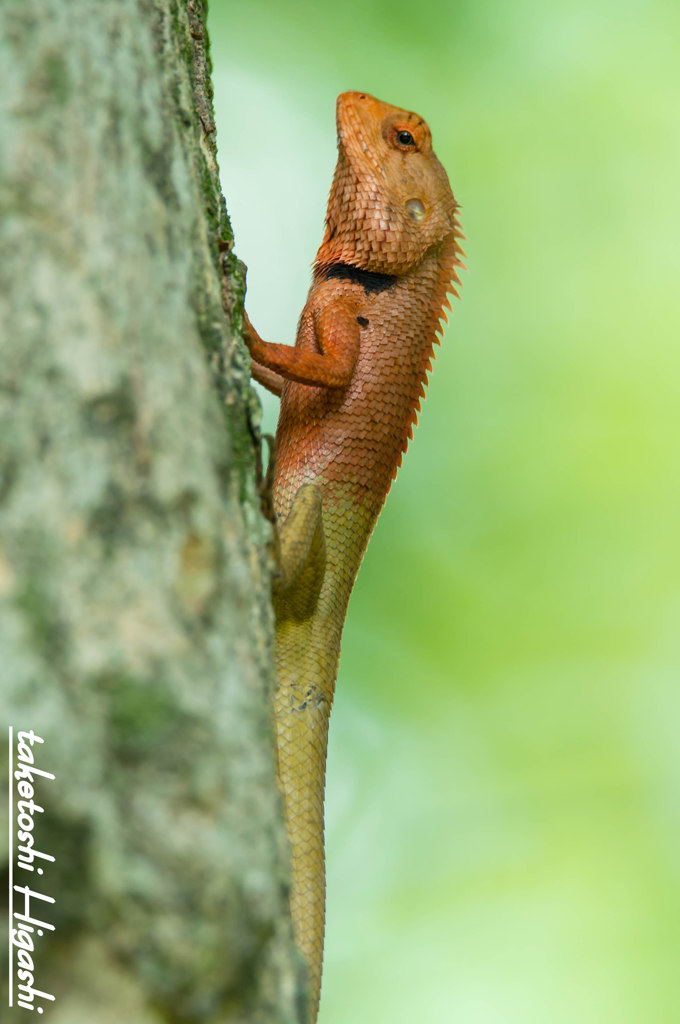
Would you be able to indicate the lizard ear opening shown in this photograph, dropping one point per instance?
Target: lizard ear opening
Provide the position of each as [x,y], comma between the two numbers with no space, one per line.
[415,209]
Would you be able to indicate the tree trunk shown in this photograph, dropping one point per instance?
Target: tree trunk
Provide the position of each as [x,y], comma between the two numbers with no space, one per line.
[135,624]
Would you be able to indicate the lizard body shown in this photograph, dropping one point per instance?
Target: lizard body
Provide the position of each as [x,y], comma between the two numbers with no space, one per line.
[350,393]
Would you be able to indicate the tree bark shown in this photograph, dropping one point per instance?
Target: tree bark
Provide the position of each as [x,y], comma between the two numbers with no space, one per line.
[135,627]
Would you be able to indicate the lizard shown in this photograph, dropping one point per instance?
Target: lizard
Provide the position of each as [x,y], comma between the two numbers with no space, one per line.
[350,392]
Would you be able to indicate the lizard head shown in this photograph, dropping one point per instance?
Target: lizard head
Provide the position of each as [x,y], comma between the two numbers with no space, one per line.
[390,201]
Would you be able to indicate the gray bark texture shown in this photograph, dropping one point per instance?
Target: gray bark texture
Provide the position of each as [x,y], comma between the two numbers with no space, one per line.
[135,629]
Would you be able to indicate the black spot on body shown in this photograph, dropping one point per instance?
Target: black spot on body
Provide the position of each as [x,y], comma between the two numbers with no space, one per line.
[370,281]
[362,321]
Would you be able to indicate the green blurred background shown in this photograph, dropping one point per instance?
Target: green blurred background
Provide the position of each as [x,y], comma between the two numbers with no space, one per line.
[503,814]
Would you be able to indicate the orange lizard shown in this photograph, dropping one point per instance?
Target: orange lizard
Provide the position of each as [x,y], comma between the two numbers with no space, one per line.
[350,393]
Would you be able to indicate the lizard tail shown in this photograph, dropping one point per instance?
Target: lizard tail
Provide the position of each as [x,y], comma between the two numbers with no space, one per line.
[301,723]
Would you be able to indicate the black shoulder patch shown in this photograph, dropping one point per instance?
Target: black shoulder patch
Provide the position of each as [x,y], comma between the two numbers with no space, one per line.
[362,321]
[368,280]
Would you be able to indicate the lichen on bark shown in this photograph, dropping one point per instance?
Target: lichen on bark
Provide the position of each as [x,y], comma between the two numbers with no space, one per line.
[134,622]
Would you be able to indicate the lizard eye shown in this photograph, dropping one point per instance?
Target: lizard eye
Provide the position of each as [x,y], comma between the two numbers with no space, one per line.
[403,139]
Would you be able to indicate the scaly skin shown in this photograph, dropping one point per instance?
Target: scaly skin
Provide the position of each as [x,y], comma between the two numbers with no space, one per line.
[350,393]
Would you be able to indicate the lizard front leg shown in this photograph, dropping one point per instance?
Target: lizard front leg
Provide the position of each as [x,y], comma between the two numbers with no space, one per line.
[269,379]
[337,334]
